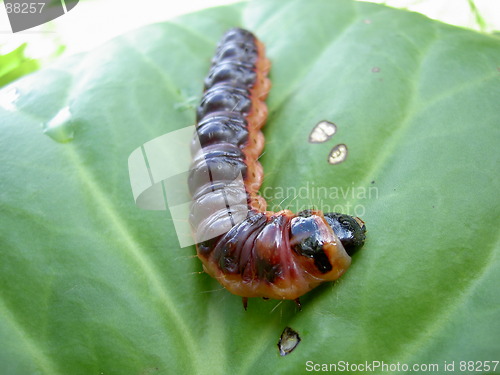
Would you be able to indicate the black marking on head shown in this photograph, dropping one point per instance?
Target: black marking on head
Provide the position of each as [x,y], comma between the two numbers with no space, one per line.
[348,230]
[310,244]
[313,248]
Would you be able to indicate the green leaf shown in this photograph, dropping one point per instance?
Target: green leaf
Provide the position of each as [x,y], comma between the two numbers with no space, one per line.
[15,64]
[90,284]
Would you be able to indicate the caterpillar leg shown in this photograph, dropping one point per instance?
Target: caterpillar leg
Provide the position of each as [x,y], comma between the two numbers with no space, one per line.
[244,300]
[297,302]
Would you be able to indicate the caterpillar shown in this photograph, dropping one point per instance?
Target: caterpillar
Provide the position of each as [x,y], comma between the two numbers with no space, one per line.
[253,252]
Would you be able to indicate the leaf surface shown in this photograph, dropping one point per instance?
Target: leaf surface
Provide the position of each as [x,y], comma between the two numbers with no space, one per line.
[90,284]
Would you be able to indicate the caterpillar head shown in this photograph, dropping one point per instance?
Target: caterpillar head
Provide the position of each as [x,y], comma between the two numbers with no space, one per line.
[349,230]
[325,241]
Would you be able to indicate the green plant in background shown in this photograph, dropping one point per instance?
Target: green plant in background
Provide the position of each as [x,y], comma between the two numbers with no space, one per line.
[19,61]
[480,21]
[15,64]
[89,284]
[480,15]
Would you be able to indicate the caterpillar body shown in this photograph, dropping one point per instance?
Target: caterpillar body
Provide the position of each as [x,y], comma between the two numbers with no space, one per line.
[279,255]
